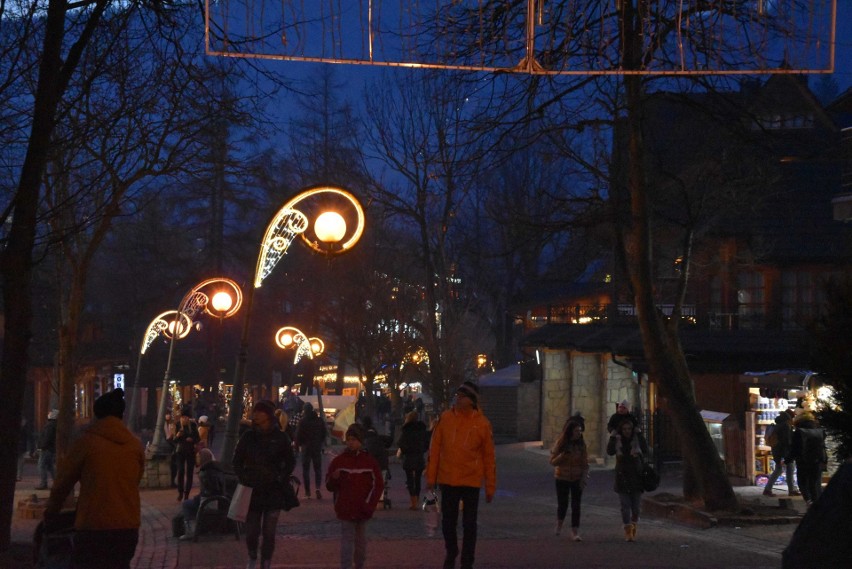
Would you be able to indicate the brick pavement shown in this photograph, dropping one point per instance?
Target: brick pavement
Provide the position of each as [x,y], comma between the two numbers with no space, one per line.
[515,531]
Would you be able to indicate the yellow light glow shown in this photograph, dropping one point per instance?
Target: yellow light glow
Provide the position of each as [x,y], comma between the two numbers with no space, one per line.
[330,227]
[317,346]
[221,301]
[285,340]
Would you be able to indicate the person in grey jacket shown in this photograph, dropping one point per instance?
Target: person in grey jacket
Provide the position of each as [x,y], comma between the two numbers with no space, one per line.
[47,450]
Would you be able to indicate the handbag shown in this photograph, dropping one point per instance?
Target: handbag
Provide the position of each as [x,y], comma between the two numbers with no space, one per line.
[240,501]
[650,478]
[291,497]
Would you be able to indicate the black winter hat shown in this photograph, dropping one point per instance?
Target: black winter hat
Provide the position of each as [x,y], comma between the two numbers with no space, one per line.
[110,404]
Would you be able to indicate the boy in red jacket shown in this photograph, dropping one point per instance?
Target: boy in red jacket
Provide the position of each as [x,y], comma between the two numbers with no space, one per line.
[356,482]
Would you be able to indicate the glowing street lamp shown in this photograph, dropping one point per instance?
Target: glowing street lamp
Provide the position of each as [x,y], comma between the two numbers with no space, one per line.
[290,337]
[329,234]
[219,297]
[161,324]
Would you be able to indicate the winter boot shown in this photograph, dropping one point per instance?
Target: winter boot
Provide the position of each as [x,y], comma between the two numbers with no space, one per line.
[252,564]
[414,502]
[633,531]
[558,527]
[575,534]
[266,564]
[628,532]
[188,531]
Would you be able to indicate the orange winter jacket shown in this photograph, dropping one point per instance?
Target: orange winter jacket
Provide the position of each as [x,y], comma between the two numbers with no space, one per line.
[108,461]
[461,452]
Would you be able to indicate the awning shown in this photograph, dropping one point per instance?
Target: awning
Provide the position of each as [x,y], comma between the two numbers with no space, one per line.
[782,378]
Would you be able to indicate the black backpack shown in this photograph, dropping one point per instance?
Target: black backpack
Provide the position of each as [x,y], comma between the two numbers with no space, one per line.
[813,446]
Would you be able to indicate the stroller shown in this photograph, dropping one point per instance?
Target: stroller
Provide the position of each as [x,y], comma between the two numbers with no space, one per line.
[52,543]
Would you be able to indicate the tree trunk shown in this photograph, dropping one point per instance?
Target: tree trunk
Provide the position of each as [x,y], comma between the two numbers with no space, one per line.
[16,262]
[659,337]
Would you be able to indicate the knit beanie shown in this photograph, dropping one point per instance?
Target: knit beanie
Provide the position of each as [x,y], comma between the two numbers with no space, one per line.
[355,430]
[265,406]
[110,404]
[471,390]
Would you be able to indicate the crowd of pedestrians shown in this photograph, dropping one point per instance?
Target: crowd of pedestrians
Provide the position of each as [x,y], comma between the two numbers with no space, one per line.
[455,453]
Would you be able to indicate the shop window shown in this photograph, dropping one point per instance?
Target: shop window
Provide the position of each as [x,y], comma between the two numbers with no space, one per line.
[798,299]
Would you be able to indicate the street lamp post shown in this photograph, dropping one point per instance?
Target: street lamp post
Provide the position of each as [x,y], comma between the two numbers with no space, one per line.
[159,325]
[290,337]
[224,300]
[330,236]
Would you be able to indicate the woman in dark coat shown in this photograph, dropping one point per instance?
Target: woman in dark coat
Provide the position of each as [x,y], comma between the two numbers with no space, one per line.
[629,447]
[413,444]
[263,460]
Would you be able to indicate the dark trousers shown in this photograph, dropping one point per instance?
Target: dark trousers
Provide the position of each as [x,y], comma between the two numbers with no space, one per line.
[451,496]
[564,489]
[265,522]
[185,468]
[173,468]
[105,549]
[810,480]
[311,455]
[412,480]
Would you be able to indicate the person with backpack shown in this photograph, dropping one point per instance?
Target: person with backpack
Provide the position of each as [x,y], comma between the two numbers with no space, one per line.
[310,437]
[810,456]
[779,437]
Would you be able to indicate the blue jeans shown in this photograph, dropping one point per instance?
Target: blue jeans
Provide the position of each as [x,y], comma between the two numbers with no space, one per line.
[353,544]
[788,465]
[450,498]
[630,507]
[46,465]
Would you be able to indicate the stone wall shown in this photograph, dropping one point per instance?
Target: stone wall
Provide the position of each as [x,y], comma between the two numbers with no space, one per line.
[591,383]
[556,384]
[158,472]
[529,411]
[587,381]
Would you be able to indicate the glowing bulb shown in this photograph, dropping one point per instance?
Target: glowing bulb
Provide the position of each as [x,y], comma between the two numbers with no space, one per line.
[330,227]
[222,301]
[286,339]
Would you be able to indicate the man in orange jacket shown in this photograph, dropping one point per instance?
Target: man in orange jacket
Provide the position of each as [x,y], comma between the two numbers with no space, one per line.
[461,456]
[107,460]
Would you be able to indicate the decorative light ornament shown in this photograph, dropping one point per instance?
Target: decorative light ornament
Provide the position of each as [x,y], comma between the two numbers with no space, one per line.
[161,325]
[289,336]
[289,223]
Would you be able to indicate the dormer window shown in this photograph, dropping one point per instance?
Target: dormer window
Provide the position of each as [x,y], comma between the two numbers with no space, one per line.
[785,121]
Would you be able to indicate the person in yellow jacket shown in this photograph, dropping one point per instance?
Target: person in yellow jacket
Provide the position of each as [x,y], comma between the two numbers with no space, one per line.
[108,461]
[461,457]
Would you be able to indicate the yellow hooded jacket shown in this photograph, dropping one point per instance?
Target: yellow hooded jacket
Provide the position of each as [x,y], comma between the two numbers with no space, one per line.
[461,452]
[108,461]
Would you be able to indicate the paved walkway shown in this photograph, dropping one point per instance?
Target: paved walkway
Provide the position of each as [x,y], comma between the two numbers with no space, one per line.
[516,530]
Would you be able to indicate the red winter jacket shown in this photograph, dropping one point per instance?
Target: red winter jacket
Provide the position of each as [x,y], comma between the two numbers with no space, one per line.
[359,487]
